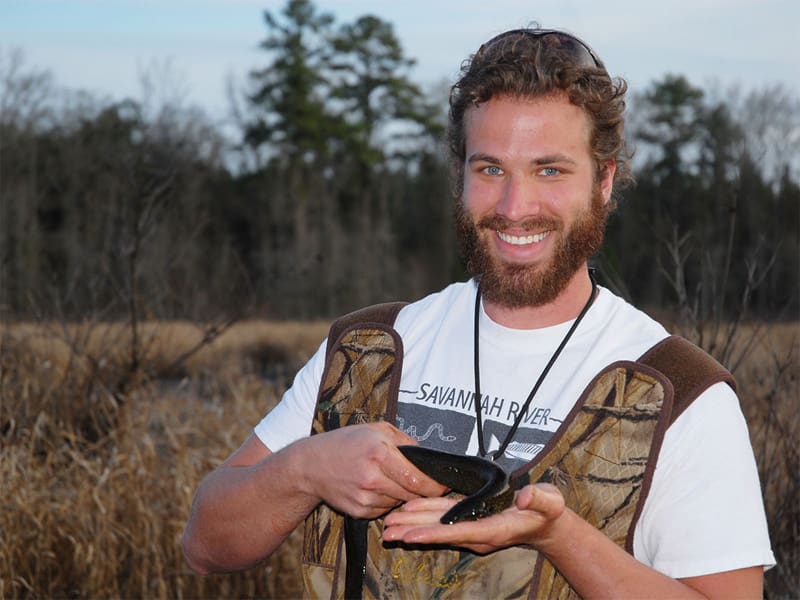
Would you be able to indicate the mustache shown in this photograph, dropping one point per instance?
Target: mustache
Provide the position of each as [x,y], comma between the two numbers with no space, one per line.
[498,222]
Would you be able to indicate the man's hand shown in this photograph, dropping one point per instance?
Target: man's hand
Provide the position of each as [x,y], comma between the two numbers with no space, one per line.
[359,470]
[530,521]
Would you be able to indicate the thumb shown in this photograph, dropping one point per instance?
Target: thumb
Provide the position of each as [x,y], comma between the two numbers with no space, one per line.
[543,498]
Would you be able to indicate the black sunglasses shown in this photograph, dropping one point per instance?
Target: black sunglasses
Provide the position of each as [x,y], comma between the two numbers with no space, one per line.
[579,51]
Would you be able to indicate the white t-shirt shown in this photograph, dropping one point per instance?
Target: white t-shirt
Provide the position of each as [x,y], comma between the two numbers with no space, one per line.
[690,524]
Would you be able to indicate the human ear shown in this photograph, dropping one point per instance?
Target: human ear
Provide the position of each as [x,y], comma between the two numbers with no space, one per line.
[606,179]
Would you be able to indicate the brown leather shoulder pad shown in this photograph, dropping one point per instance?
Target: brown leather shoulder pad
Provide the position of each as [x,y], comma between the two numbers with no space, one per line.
[690,369]
[383,314]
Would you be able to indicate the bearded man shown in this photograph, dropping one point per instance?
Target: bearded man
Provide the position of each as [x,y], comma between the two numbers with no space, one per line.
[621,474]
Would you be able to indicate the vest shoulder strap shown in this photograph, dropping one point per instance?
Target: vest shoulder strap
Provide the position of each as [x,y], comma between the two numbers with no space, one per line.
[383,314]
[690,369]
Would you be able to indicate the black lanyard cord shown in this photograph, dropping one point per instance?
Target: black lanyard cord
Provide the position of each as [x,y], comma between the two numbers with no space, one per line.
[476,356]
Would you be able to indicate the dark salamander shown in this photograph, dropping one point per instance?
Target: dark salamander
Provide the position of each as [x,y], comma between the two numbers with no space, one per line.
[483,482]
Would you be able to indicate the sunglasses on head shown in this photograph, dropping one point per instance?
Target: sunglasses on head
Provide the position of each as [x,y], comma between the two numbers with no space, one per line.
[578,51]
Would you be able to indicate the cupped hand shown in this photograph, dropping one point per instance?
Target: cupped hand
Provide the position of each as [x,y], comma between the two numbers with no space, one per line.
[531,520]
[358,470]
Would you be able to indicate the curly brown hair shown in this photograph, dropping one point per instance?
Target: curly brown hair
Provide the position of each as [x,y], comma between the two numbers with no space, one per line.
[534,62]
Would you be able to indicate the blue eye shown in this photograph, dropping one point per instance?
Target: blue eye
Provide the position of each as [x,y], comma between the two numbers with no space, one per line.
[493,170]
[549,171]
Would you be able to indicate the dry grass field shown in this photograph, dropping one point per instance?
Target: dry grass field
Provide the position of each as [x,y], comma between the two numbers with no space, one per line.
[104,437]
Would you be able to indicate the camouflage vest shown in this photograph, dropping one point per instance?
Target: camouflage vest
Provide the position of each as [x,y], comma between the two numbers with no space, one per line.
[602,460]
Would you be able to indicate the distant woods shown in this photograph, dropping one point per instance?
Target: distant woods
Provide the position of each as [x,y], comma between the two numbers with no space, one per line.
[331,191]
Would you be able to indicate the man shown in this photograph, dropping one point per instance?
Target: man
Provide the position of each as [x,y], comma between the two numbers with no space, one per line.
[536,137]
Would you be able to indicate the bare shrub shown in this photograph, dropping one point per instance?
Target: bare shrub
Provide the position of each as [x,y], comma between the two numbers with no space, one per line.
[770,389]
[765,359]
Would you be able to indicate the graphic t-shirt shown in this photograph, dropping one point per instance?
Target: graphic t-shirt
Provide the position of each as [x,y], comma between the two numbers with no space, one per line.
[437,391]
[708,442]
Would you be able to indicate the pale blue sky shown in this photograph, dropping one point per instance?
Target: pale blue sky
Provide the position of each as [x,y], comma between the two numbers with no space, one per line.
[103,45]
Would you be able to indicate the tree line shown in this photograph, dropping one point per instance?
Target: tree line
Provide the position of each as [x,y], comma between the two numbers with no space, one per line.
[334,191]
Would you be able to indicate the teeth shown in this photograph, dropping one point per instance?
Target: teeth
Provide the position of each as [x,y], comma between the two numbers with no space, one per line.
[521,240]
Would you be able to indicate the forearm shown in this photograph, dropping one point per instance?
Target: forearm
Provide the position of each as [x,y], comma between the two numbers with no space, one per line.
[593,564]
[245,509]
[596,567]
[241,514]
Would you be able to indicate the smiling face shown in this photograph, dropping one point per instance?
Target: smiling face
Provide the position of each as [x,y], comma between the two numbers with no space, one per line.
[532,210]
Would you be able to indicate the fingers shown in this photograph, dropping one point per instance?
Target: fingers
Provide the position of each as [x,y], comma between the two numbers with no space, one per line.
[397,468]
[420,511]
[396,436]
[419,522]
[416,517]
[401,478]
[359,470]
[405,473]
[424,527]
[536,508]
[369,505]
[378,492]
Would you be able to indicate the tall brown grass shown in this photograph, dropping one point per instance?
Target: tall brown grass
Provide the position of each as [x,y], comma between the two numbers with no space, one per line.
[101,453]
[99,463]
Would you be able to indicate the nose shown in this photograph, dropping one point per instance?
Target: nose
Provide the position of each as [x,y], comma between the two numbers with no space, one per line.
[518,200]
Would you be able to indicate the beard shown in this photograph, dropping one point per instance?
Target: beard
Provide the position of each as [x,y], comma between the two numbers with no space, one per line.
[519,285]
